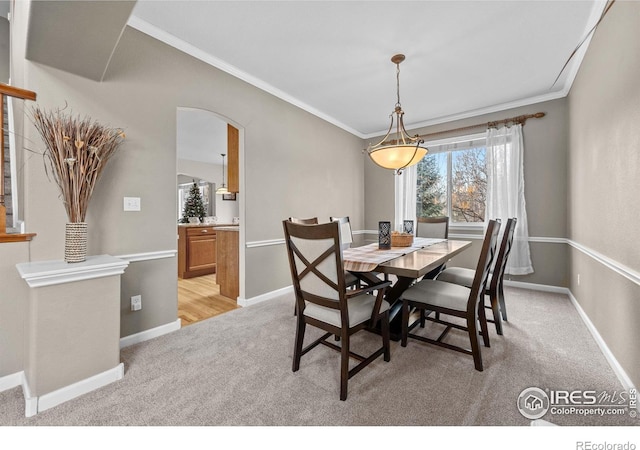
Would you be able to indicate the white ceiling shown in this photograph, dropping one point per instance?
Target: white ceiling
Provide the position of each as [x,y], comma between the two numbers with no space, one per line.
[332,58]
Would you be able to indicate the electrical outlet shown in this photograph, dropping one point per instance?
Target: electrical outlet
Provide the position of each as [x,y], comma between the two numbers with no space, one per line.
[136,303]
[132,203]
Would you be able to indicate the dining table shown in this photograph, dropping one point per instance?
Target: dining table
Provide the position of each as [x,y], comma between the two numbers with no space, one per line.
[406,264]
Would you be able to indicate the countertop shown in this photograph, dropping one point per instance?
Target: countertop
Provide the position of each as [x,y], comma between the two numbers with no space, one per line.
[215,225]
[231,228]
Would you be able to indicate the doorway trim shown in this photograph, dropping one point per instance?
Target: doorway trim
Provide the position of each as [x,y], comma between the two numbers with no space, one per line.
[240,198]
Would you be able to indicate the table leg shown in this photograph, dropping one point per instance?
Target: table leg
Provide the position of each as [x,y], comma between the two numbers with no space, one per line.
[395,311]
[393,297]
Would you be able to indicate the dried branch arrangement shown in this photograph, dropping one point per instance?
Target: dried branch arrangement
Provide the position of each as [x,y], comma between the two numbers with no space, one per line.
[77,150]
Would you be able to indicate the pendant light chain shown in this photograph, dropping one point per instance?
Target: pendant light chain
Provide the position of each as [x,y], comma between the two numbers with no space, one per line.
[398,83]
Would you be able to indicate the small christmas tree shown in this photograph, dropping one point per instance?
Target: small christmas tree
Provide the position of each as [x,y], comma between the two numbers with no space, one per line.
[193,206]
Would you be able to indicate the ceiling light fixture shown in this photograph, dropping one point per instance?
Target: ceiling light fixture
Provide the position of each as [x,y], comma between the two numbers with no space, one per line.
[222,189]
[404,150]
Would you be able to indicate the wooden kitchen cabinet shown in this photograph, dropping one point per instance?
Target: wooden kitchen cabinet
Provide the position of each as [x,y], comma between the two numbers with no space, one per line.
[196,251]
[233,150]
[228,276]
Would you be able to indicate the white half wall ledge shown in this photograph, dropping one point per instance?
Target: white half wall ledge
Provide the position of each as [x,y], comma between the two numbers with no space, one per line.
[148,256]
[49,273]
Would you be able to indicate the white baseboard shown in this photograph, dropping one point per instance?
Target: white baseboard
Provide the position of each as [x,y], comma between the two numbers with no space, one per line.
[150,334]
[11,381]
[537,287]
[613,362]
[288,290]
[604,348]
[35,405]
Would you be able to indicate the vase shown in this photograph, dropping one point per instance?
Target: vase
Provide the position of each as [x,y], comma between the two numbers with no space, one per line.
[75,242]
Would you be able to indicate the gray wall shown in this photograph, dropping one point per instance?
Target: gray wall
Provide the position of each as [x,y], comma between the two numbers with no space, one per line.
[545,169]
[4,50]
[293,164]
[604,181]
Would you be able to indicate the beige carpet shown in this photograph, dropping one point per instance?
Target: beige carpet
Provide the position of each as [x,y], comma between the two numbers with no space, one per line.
[235,369]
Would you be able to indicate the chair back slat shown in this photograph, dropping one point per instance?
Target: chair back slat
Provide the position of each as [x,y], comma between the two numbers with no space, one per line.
[315,260]
[309,221]
[433,227]
[503,252]
[487,255]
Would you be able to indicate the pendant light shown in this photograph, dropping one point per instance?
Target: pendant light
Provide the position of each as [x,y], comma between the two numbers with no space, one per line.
[222,189]
[403,150]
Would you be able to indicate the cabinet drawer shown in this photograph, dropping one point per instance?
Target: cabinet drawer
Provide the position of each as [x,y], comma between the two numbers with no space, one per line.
[200,231]
[201,253]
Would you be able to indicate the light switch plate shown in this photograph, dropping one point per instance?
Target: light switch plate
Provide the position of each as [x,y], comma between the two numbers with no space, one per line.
[132,203]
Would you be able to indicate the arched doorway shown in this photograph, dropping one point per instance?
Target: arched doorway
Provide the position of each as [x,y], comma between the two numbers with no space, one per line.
[204,143]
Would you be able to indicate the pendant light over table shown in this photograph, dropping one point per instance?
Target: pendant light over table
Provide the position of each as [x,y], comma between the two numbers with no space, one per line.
[403,150]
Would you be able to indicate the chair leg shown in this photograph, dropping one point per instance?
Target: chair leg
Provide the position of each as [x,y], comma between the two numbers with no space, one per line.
[405,322]
[297,349]
[344,365]
[385,336]
[503,308]
[472,324]
[495,308]
[423,318]
[482,318]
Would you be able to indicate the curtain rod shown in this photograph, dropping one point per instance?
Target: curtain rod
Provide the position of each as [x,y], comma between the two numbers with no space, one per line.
[518,119]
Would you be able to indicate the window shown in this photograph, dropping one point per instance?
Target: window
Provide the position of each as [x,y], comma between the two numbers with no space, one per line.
[452,180]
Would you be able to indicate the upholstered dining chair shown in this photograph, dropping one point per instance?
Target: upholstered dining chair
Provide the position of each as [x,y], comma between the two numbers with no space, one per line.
[450,299]
[346,234]
[323,301]
[495,291]
[351,279]
[433,227]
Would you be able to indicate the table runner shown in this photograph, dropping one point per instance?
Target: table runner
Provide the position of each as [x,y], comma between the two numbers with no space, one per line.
[368,257]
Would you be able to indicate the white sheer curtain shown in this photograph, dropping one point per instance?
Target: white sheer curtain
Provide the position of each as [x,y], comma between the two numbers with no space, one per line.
[505,191]
[405,197]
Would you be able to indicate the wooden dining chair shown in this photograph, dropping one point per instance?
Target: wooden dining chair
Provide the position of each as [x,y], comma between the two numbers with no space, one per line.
[323,301]
[450,299]
[351,279]
[495,291]
[309,221]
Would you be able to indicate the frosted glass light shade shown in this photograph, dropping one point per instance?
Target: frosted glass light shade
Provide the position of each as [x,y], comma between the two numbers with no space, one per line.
[397,156]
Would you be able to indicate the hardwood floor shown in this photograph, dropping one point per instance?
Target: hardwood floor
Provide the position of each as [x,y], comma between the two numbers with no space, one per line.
[199,298]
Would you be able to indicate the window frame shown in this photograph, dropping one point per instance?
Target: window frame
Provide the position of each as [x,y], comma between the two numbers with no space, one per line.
[471,140]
